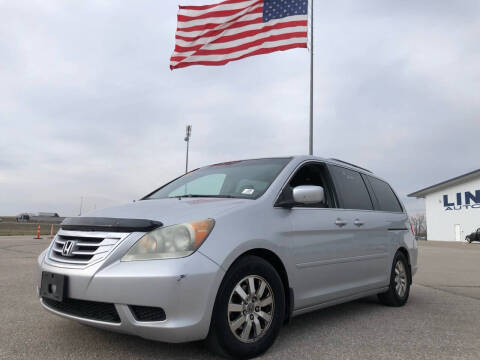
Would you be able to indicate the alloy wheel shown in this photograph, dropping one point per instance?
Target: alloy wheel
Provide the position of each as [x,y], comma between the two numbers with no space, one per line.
[400,278]
[250,308]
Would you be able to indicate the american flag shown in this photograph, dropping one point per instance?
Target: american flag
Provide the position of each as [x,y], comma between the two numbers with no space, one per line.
[234,29]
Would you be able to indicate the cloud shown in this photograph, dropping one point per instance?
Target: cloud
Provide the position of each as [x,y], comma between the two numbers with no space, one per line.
[90,108]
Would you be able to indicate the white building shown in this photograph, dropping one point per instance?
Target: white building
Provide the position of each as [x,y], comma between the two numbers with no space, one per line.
[452,207]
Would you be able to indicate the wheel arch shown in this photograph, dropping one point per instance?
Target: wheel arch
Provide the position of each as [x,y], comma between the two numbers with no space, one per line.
[405,252]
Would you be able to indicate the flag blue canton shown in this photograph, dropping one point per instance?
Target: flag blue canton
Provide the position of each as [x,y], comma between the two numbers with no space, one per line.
[277,9]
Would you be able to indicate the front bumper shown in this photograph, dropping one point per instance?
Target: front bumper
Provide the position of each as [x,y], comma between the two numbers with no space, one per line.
[184,288]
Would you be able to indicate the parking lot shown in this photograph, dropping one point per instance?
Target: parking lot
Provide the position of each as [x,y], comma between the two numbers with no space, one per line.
[440,321]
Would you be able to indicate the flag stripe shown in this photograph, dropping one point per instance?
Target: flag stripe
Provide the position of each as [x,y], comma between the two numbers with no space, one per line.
[207,7]
[225,47]
[245,46]
[248,17]
[220,7]
[189,25]
[231,55]
[234,29]
[216,13]
[233,33]
[260,51]
[194,35]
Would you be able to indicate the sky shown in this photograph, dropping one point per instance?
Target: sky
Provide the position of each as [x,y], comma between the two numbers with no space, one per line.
[90,109]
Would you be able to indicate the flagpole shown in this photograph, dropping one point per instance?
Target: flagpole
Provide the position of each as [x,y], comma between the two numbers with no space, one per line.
[311,80]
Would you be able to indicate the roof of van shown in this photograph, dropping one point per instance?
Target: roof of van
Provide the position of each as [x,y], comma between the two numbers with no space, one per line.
[303,158]
[334,161]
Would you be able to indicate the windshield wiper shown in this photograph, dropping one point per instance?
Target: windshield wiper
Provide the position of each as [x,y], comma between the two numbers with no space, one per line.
[205,196]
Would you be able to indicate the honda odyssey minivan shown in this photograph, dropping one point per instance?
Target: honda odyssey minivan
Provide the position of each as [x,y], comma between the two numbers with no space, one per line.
[230,252]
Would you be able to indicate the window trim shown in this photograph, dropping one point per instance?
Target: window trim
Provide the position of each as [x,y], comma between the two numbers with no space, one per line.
[371,192]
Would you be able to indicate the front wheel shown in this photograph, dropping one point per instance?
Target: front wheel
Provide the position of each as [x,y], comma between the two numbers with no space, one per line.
[399,288]
[249,309]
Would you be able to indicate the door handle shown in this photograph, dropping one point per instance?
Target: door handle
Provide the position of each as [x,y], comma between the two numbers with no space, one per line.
[358,222]
[340,222]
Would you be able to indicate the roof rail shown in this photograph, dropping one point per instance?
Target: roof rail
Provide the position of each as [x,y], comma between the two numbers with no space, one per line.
[344,162]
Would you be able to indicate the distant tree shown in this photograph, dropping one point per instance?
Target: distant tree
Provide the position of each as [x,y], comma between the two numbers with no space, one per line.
[419,223]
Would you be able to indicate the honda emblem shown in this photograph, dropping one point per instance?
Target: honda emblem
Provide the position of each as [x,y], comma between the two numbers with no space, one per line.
[68,248]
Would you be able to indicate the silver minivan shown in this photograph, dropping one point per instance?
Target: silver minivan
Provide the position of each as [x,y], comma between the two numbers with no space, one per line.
[230,252]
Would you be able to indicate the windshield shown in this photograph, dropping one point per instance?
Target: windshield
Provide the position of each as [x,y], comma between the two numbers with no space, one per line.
[247,179]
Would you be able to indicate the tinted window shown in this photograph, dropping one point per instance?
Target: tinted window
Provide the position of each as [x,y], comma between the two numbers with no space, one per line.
[351,189]
[386,198]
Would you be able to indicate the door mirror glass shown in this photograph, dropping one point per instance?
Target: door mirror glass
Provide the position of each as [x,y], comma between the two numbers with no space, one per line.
[308,194]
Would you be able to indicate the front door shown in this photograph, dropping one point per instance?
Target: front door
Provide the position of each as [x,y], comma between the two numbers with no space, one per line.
[323,251]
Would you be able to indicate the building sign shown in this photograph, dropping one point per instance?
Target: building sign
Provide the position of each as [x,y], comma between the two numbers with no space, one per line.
[466,200]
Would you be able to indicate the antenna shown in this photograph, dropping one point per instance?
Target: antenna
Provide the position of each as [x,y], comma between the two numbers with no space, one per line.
[188,133]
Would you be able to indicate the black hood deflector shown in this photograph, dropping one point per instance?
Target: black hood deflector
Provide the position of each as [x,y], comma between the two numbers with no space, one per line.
[109,224]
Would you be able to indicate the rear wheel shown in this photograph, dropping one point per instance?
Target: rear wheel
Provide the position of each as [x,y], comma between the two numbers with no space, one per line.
[249,309]
[399,288]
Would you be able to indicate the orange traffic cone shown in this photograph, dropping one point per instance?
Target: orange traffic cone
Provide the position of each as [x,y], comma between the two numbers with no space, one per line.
[38,233]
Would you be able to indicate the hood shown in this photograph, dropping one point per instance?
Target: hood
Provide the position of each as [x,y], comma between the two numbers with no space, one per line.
[173,211]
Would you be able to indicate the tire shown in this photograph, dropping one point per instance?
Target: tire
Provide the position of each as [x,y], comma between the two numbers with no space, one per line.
[243,330]
[399,288]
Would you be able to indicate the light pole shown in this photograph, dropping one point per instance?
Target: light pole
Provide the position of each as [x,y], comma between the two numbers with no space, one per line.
[81,206]
[188,133]
[310,147]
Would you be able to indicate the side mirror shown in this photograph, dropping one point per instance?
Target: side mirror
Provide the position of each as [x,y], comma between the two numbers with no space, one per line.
[308,194]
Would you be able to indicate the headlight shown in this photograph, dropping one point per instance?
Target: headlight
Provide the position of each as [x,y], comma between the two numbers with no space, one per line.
[171,242]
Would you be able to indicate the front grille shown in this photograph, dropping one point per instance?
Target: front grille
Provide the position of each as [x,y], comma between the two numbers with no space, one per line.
[92,310]
[147,313]
[86,247]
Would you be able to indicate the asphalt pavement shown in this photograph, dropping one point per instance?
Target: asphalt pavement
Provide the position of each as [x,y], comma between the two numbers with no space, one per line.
[440,321]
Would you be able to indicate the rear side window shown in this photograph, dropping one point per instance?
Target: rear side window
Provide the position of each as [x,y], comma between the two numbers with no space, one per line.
[386,198]
[351,189]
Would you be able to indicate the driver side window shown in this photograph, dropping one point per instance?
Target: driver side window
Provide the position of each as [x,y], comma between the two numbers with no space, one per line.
[313,174]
